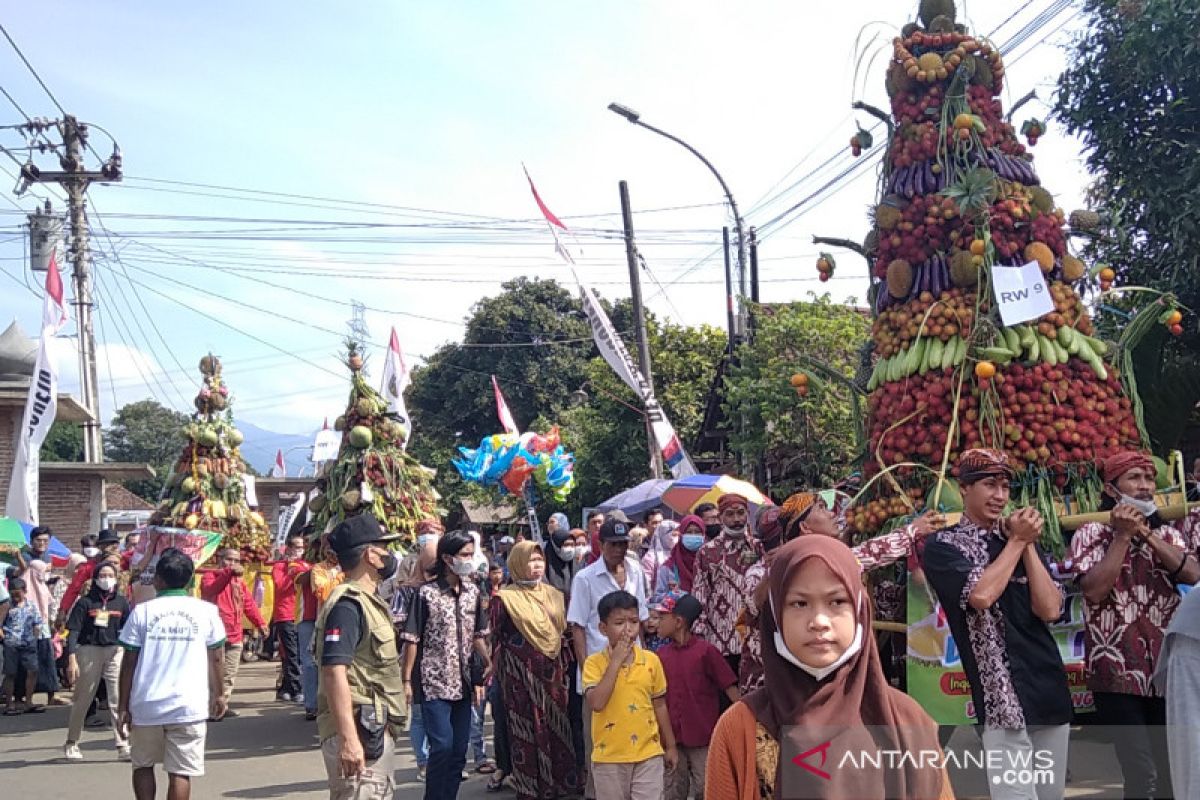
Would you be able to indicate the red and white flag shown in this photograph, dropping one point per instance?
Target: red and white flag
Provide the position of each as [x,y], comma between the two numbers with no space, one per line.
[506,418]
[40,407]
[396,379]
[279,469]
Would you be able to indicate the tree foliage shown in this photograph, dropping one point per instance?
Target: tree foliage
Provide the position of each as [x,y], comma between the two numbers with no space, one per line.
[1132,93]
[145,432]
[64,442]
[804,441]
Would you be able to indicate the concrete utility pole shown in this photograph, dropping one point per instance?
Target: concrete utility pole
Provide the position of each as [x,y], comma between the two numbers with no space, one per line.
[74,180]
[639,321]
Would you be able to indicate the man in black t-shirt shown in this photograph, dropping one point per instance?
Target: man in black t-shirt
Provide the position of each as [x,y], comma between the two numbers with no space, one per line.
[999,597]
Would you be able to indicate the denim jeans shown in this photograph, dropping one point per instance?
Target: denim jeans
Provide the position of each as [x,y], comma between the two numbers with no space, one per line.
[308,665]
[416,735]
[448,726]
[478,746]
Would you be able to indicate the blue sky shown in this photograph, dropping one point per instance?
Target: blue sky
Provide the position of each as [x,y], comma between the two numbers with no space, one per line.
[435,106]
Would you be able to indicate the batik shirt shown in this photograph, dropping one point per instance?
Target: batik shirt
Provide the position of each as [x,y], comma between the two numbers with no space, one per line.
[720,587]
[1009,655]
[1124,631]
[446,624]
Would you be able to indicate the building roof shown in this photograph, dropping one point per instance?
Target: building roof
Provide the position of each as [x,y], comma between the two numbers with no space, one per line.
[118,498]
[16,393]
[109,470]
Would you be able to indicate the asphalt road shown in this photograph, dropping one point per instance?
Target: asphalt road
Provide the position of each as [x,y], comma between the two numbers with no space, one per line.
[269,751]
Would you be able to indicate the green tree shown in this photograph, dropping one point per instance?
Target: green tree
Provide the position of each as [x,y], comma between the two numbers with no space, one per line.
[146,432]
[803,441]
[1132,93]
[64,442]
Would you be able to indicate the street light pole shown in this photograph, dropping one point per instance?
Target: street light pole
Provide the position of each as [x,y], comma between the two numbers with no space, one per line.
[635,118]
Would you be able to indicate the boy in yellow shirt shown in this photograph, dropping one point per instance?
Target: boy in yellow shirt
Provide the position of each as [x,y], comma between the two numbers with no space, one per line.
[626,690]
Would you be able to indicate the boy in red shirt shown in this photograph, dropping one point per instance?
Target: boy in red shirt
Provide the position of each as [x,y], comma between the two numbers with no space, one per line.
[225,588]
[697,675]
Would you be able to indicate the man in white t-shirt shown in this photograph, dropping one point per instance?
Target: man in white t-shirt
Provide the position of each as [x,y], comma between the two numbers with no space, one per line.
[171,679]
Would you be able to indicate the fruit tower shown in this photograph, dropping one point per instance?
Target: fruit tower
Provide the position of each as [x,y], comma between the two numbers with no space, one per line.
[372,472]
[960,195]
[207,490]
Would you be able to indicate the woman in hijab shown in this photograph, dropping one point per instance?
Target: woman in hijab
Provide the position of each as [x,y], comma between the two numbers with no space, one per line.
[563,558]
[823,677]
[679,570]
[37,578]
[531,657]
[661,544]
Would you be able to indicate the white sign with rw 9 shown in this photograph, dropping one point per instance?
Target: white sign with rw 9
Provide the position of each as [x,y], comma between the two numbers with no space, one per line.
[1021,293]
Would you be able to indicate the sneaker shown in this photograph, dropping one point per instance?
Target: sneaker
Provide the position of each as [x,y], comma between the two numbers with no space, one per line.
[465,775]
[420,773]
[71,752]
[298,699]
[283,697]
[123,752]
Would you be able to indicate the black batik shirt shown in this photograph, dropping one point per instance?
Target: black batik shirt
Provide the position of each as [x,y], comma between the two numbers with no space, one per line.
[1011,659]
[446,624]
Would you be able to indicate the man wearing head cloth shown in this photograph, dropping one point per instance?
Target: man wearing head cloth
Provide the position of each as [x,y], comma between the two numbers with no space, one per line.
[995,587]
[1128,570]
[720,584]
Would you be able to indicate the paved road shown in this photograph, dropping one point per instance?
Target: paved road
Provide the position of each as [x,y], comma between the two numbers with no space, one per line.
[268,751]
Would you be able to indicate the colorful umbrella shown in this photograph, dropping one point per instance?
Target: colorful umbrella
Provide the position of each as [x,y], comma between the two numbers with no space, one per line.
[638,500]
[687,493]
[13,533]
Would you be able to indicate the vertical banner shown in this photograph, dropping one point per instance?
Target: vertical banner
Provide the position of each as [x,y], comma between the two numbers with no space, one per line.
[325,446]
[287,516]
[506,418]
[395,380]
[40,407]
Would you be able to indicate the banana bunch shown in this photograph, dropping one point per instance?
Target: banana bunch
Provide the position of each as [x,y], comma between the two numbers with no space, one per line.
[1025,340]
[921,356]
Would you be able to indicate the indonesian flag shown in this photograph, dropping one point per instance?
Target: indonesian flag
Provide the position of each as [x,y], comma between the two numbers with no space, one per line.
[506,418]
[396,379]
[40,407]
[552,221]
[279,469]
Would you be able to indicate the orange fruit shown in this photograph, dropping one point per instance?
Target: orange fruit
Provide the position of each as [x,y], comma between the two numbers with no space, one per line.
[978,246]
[1107,274]
[1175,318]
[984,369]
[799,379]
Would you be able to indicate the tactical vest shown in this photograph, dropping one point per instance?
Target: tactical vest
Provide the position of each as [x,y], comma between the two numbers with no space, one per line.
[374,675]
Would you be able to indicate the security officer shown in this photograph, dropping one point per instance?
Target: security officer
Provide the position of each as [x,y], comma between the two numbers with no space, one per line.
[360,705]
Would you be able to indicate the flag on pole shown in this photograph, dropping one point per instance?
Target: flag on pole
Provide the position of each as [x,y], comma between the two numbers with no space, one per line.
[395,380]
[506,418]
[617,355]
[40,407]
[279,470]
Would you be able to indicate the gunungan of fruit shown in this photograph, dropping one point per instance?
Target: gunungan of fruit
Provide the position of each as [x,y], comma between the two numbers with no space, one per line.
[360,437]
[899,278]
[1041,253]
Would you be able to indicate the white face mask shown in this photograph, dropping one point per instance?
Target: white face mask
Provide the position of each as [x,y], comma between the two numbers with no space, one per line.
[106,584]
[820,673]
[463,568]
[1147,507]
[566,553]
[91,552]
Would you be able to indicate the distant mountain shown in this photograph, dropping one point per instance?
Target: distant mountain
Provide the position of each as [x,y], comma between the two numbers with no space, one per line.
[260,447]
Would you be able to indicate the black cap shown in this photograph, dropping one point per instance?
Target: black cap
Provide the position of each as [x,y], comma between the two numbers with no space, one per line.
[689,608]
[108,536]
[356,531]
[615,528]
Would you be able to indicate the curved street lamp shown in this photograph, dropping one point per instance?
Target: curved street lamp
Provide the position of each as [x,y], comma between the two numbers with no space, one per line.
[636,118]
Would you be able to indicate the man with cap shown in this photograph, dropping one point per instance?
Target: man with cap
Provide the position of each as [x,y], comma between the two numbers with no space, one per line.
[615,570]
[225,587]
[697,679]
[720,582]
[360,703]
[995,587]
[109,544]
[1128,570]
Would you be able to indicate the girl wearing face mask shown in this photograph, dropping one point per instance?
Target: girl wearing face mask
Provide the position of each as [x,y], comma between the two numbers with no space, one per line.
[677,572]
[94,655]
[445,624]
[823,678]
[665,535]
[563,556]
[532,667]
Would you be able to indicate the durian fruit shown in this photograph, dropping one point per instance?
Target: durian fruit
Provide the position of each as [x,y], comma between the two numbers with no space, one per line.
[1042,200]
[887,217]
[1041,253]
[941,24]
[932,9]
[899,278]
[871,244]
[1084,220]
[909,29]
[963,272]
[897,81]
[982,72]
[1073,269]
[930,63]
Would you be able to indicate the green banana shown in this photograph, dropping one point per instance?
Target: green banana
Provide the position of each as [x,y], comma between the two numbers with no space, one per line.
[960,351]
[948,353]
[1011,340]
[1035,349]
[924,368]
[1049,354]
[1065,335]
[936,349]
[1099,347]
[1060,351]
[1026,336]
[1000,355]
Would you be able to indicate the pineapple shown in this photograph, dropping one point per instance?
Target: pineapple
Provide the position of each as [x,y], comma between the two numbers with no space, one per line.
[932,9]
[1084,220]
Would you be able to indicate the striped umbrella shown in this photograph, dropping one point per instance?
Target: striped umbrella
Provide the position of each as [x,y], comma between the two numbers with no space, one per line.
[687,493]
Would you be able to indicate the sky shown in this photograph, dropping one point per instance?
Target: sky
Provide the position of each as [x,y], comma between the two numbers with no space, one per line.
[417,118]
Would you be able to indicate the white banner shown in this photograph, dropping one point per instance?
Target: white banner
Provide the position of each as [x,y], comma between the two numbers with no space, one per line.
[251,490]
[287,515]
[325,447]
[40,407]
[617,356]
[395,380]
[1021,293]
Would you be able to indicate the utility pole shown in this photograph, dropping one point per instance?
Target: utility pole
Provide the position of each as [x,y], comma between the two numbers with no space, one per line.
[753,275]
[730,310]
[639,321]
[358,323]
[74,180]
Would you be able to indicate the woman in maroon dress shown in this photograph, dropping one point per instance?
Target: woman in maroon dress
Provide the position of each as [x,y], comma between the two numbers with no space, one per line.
[532,658]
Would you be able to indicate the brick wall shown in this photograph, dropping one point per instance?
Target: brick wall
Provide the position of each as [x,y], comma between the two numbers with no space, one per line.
[70,505]
[10,419]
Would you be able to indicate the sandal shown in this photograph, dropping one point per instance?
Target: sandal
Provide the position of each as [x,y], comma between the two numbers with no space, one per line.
[12,711]
[496,783]
[486,767]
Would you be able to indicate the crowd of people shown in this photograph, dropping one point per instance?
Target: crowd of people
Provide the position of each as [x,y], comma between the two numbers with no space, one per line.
[642,660]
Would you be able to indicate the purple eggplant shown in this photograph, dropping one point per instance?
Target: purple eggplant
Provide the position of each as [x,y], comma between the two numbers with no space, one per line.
[935,278]
[907,190]
[930,179]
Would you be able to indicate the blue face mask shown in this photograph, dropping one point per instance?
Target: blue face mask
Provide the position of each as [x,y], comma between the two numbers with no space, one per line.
[693,541]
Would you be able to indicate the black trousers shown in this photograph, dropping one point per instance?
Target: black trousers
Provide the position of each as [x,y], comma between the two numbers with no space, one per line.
[1141,744]
[575,714]
[500,729]
[289,657]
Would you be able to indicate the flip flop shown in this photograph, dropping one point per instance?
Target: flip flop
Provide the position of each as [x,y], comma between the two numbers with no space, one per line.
[486,767]
[495,784]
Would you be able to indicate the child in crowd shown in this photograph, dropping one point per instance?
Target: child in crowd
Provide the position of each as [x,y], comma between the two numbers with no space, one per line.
[625,688]
[823,678]
[651,635]
[697,676]
[20,630]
